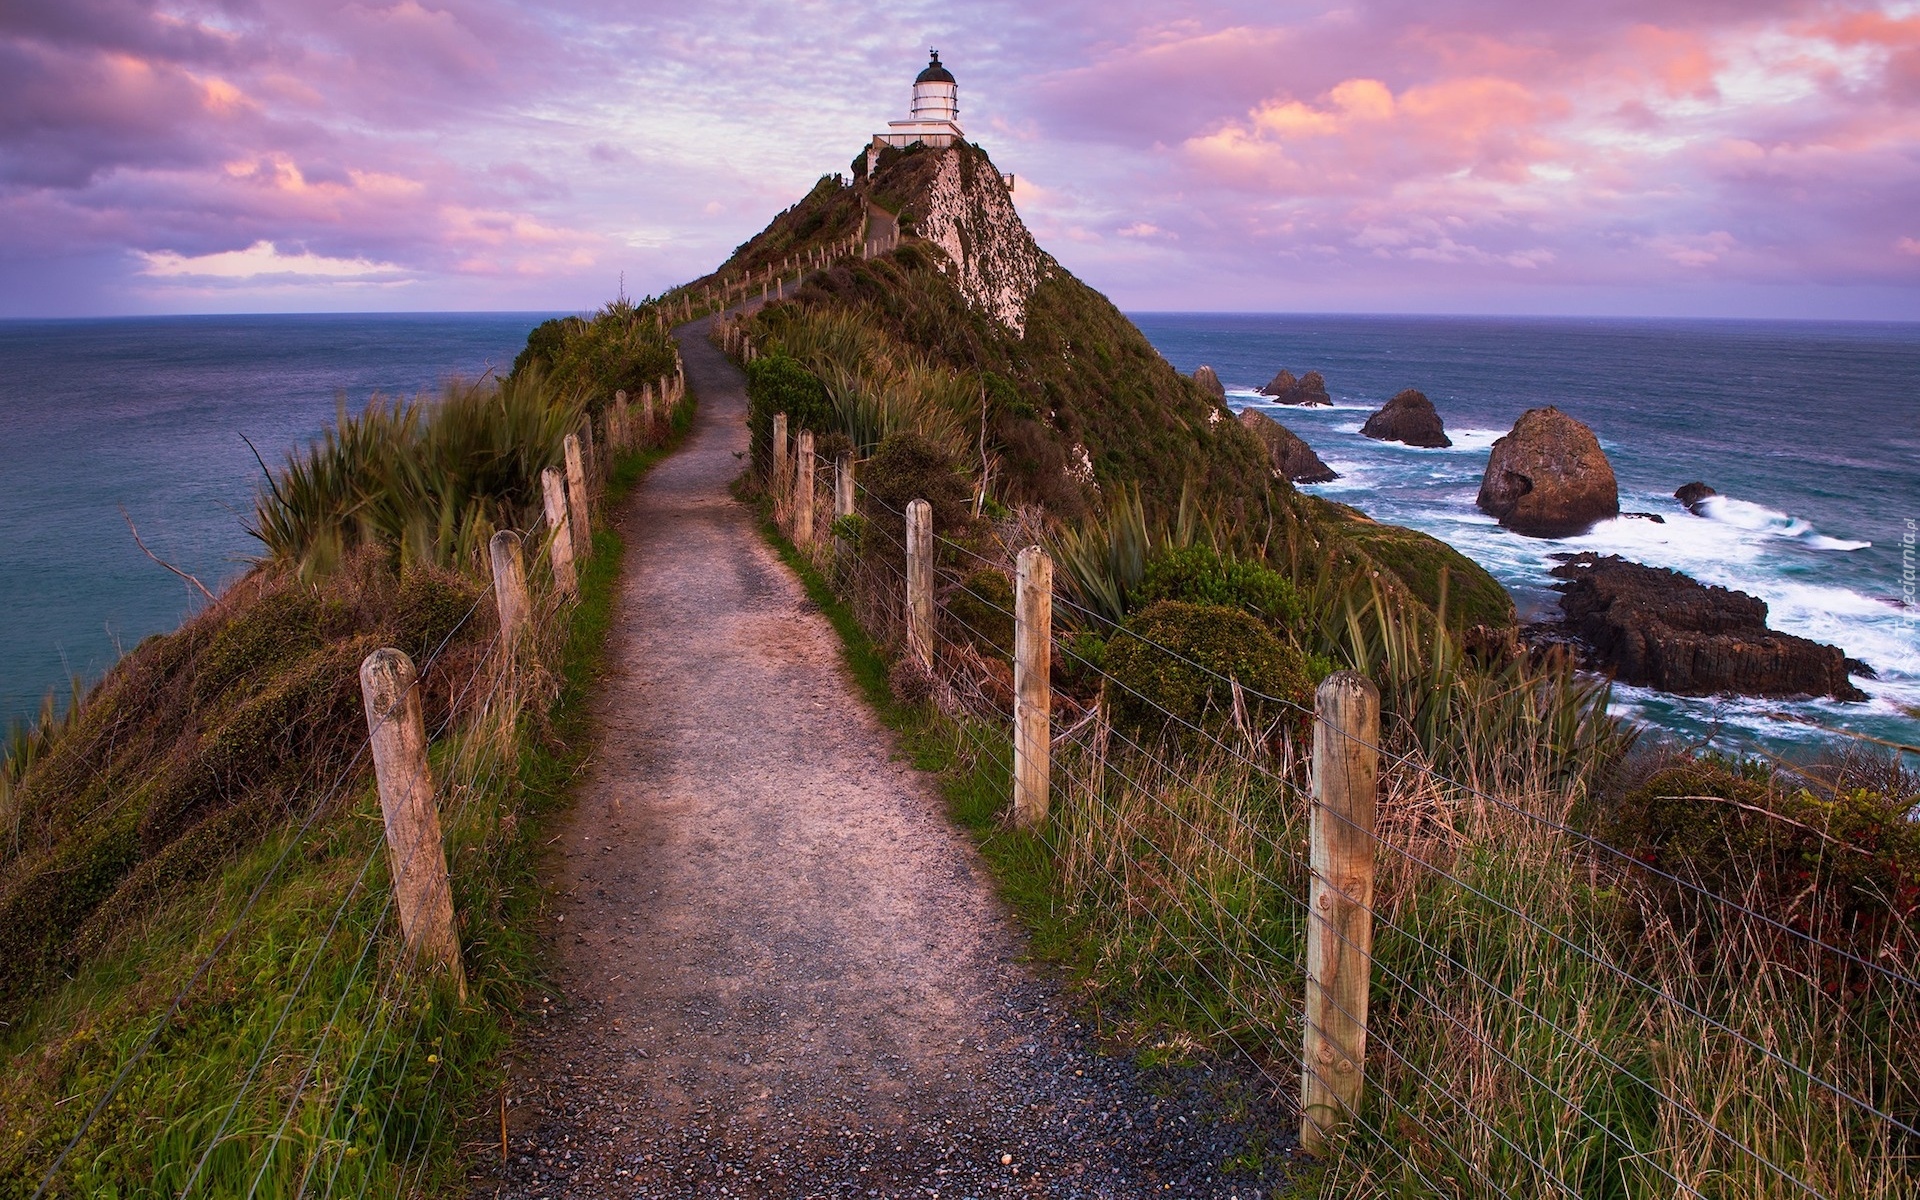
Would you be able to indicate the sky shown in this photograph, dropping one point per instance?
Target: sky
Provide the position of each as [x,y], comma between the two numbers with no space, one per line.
[1717,158]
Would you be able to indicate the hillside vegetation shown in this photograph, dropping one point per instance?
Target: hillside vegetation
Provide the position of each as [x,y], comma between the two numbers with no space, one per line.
[1602,967]
[201,989]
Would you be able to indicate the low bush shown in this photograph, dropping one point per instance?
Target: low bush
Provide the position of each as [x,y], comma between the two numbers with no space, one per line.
[1170,663]
[908,467]
[979,613]
[777,383]
[1842,865]
[1201,575]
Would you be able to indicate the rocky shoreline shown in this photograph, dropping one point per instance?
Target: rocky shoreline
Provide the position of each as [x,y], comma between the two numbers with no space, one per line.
[1661,629]
[1645,626]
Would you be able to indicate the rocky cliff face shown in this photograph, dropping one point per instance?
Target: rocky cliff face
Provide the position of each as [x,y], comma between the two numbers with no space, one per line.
[994,261]
[1661,629]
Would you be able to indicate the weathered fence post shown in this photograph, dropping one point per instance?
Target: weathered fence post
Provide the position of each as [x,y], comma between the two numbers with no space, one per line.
[589,467]
[803,490]
[1032,688]
[920,581]
[646,411]
[415,856]
[577,497]
[509,585]
[553,492]
[779,450]
[843,486]
[1346,732]
[622,434]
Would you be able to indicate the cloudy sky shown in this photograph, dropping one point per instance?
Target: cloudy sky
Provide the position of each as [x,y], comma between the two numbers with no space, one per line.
[1662,157]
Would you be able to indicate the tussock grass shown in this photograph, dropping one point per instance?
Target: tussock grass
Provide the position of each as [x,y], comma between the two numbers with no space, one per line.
[423,482]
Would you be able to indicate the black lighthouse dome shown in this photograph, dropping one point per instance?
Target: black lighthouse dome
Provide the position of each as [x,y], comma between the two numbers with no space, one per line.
[935,73]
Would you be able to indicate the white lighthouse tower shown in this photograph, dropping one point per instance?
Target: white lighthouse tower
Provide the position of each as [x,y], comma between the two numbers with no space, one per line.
[934,119]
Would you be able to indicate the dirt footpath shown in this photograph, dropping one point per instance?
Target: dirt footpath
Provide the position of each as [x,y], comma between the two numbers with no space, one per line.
[778,969]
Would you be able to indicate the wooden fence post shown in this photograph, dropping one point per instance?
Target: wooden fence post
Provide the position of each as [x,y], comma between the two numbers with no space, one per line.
[553,491]
[646,412]
[620,435]
[415,856]
[920,581]
[1346,732]
[577,497]
[779,450]
[843,486]
[803,490]
[1032,688]
[509,585]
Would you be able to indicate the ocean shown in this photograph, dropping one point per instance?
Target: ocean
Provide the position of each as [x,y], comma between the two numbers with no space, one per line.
[148,415]
[1810,432]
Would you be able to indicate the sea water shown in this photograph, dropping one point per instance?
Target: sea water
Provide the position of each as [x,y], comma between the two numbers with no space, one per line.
[148,415]
[1809,431]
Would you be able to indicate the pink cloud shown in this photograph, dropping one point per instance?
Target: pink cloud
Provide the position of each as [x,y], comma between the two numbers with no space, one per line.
[513,152]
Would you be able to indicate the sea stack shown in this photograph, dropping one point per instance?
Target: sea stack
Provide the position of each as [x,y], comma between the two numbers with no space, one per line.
[1659,628]
[1288,455]
[1410,418]
[1549,478]
[1209,382]
[1310,390]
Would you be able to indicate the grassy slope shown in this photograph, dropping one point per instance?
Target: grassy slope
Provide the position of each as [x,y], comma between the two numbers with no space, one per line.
[1083,376]
[299,1042]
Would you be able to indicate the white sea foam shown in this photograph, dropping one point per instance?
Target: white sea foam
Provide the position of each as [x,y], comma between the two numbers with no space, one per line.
[1745,514]
[1475,439]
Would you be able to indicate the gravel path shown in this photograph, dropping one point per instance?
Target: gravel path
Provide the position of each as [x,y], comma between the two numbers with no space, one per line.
[778,969]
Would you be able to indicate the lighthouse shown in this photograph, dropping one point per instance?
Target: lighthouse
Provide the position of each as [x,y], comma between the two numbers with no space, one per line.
[934,118]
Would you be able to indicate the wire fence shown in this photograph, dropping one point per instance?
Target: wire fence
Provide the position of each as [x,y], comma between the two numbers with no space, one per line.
[1550,1013]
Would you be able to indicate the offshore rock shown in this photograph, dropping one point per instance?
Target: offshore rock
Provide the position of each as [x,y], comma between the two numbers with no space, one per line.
[1308,390]
[1658,628]
[1409,417]
[1209,382]
[1549,478]
[1691,494]
[1290,456]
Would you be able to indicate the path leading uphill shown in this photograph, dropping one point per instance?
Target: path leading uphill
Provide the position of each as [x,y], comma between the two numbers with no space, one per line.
[779,970]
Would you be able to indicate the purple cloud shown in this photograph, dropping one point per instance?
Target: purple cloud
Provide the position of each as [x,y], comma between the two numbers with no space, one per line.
[1388,155]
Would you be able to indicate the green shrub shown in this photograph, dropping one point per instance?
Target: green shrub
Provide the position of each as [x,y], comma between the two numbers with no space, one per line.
[777,383]
[1200,575]
[546,343]
[979,613]
[1171,663]
[1843,866]
[618,349]
[908,467]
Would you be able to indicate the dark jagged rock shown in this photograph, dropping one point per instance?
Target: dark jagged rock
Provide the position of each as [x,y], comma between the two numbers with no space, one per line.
[1656,518]
[1290,456]
[1409,417]
[1549,478]
[1209,382]
[1309,390]
[1691,494]
[1658,628]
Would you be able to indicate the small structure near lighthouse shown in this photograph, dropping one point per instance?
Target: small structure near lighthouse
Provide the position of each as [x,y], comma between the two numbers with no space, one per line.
[934,119]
